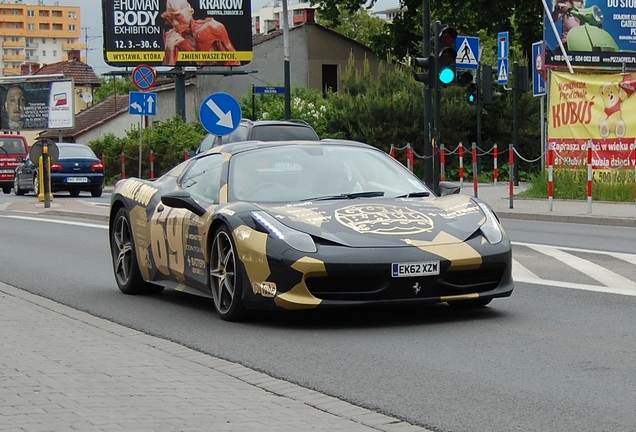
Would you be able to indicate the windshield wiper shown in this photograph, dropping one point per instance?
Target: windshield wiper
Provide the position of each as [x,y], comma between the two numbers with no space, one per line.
[352,195]
[415,194]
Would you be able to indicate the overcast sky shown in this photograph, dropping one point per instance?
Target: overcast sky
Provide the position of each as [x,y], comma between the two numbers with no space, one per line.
[92,29]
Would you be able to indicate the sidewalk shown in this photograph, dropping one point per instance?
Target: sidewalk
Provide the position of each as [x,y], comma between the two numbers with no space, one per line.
[62,369]
[602,213]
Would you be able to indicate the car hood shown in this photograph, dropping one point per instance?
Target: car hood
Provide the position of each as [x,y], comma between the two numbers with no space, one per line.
[382,222]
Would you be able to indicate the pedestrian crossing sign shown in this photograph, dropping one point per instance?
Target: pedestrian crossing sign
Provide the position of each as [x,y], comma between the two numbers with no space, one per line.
[502,71]
[467,48]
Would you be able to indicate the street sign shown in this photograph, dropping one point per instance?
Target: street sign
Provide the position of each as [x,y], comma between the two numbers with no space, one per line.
[467,48]
[268,90]
[220,114]
[538,65]
[144,77]
[503,45]
[502,71]
[142,103]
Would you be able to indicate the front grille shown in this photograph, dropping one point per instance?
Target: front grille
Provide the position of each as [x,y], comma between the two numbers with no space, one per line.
[368,285]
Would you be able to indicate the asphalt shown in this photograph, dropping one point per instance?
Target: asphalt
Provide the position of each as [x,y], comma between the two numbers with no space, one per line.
[62,369]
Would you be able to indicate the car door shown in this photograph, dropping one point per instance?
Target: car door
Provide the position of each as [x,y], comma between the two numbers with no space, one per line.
[25,173]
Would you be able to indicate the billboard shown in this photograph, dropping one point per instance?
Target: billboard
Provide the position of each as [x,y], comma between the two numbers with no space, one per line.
[594,108]
[177,32]
[595,33]
[39,105]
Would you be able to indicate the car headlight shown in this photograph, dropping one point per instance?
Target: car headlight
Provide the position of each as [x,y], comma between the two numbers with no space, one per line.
[491,228]
[296,239]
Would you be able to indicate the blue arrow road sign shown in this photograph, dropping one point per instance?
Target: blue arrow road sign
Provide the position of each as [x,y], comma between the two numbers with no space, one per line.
[538,83]
[467,48]
[220,114]
[142,103]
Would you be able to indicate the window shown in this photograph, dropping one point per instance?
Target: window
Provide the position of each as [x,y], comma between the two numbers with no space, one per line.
[72,15]
[31,26]
[43,53]
[203,179]
[54,53]
[31,13]
[71,27]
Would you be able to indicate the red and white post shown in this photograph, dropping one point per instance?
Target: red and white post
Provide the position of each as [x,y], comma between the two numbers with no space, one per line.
[475,184]
[461,165]
[123,165]
[409,157]
[152,164]
[590,177]
[442,163]
[550,176]
[495,170]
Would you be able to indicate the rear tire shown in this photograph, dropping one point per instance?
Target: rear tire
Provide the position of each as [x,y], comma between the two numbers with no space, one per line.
[125,263]
[16,187]
[6,190]
[36,185]
[96,193]
[74,193]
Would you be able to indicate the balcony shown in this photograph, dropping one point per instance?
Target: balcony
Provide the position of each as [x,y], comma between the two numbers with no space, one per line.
[32,45]
[73,46]
[13,44]
[14,57]
[11,71]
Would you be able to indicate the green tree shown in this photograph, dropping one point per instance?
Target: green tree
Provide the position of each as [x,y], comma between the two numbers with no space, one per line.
[359,26]
[111,85]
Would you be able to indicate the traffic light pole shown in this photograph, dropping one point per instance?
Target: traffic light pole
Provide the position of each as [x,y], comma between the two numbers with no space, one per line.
[428,97]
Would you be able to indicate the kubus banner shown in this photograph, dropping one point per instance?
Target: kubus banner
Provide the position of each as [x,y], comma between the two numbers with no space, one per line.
[595,33]
[37,105]
[177,32]
[597,109]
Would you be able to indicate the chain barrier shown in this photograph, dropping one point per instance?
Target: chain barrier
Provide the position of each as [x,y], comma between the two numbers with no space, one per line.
[122,159]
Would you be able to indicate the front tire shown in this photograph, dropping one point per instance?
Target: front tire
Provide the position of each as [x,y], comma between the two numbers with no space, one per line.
[226,279]
[125,263]
[36,185]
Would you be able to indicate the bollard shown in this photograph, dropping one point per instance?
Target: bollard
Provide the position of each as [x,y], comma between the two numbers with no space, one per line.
[392,152]
[589,177]
[409,158]
[475,187]
[152,164]
[495,170]
[123,165]
[442,163]
[550,176]
[461,165]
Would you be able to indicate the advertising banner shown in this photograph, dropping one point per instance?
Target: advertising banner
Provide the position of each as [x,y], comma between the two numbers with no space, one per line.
[177,32]
[595,33]
[37,105]
[597,109]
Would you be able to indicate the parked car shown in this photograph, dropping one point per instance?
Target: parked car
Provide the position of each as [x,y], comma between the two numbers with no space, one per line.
[76,169]
[304,225]
[13,150]
[262,130]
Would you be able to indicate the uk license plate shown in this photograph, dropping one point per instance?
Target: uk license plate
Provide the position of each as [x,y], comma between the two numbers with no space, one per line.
[412,269]
[77,180]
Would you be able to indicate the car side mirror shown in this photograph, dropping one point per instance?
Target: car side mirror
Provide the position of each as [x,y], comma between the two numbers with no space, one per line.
[448,188]
[182,199]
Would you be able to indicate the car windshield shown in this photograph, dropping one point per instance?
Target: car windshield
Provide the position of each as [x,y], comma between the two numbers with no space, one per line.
[310,172]
[12,146]
[76,152]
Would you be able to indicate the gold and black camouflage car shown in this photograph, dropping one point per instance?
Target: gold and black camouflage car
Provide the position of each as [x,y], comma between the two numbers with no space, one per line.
[302,225]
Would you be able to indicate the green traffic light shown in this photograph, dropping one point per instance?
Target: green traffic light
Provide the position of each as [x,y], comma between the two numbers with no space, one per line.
[446,76]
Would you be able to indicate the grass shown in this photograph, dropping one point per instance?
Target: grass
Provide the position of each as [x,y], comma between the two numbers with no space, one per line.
[572,184]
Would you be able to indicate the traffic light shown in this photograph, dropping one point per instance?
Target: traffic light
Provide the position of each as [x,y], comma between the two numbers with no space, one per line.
[446,54]
[489,78]
[471,93]
[521,83]
[428,70]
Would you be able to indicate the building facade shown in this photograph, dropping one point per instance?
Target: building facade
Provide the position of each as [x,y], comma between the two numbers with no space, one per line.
[37,33]
[269,17]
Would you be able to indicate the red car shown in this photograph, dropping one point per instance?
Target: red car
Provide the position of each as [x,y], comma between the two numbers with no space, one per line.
[13,150]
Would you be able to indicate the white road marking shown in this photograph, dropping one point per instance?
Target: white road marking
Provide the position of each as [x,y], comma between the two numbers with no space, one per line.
[57,221]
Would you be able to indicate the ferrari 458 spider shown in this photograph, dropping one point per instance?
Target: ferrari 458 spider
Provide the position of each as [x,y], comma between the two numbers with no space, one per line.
[301,225]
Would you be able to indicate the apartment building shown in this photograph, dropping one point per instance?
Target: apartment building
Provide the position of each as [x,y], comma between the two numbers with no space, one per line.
[269,17]
[37,34]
